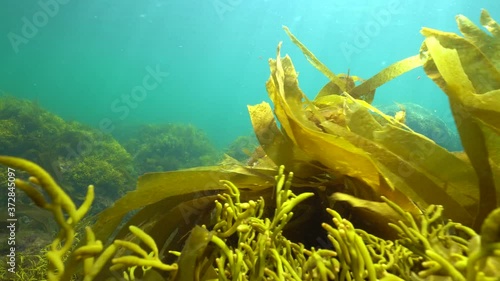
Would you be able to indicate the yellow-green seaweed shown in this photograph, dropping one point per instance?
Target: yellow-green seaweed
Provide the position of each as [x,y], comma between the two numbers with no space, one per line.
[238,218]
[244,244]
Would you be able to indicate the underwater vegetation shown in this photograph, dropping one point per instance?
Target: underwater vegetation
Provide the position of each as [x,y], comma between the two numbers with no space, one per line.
[357,198]
[167,147]
[244,242]
[74,153]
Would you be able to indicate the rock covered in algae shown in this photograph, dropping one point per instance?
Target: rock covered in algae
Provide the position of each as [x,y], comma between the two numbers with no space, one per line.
[75,154]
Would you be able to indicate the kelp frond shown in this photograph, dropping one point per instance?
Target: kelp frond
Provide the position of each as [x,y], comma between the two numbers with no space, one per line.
[390,157]
[466,69]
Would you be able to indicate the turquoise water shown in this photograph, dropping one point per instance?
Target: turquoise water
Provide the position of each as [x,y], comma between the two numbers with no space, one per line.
[108,63]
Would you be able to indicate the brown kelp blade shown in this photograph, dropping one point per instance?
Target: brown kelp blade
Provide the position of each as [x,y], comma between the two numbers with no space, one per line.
[387,74]
[386,158]
[334,151]
[316,62]
[485,75]
[179,186]
[410,162]
[472,82]
[304,134]
[277,146]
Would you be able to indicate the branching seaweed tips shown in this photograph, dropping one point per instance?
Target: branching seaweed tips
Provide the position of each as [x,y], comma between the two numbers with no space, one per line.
[61,207]
[449,248]
[68,216]
[428,247]
[246,245]
[260,240]
[146,260]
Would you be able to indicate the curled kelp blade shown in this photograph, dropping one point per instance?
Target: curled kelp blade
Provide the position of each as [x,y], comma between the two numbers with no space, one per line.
[340,153]
[282,87]
[271,140]
[277,146]
[471,81]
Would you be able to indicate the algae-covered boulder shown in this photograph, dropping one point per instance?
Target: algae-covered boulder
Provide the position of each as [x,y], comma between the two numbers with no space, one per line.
[423,121]
[75,154]
[167,147]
